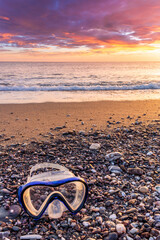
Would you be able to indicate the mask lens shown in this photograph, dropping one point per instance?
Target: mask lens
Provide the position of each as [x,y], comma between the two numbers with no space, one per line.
[35,197]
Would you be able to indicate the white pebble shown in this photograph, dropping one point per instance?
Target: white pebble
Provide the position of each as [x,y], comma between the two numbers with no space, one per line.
[113,217]
[113,156]
[95,146]
[133,230]
[86,224]
[120,228]
[149,153]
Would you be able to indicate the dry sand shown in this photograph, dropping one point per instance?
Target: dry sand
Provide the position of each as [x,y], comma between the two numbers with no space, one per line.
[25,122]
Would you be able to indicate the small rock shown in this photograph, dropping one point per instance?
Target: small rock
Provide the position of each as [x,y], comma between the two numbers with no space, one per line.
[81,132]
[131,210]
[157,187]
[113,156]
[95,146]
[86,224]
[135,171]
[115,169]
[113,217]
[129,238]
[120,228]
[109,203]
[4,235]
[157,217]
[149,153]
[86,218]
[31,237]
[113,236]
[110,224]
[11,213]
[143,189]
[5,191]
[15,228]
[134,230]
[155,232]
[99,220]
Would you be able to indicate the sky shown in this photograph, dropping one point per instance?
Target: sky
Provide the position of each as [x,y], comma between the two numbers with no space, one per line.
[79,30]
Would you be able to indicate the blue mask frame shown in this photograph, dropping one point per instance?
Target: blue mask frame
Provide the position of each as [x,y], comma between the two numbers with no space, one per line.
[55,195]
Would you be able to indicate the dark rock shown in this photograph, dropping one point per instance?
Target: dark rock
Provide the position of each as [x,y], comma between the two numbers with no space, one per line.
[135,171]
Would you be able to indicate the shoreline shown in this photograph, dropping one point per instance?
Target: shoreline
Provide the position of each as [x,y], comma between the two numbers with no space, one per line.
[37,121]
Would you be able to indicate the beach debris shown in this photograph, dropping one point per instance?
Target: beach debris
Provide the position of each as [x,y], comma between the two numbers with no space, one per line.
[113,156]
[95,146]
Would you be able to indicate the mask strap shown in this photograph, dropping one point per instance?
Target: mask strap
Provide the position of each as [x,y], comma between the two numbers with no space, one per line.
[43,166]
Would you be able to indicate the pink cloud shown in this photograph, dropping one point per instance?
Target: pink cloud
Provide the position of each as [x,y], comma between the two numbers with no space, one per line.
[88,23]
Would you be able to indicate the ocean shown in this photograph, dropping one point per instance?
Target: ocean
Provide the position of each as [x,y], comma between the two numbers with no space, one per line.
[29,82]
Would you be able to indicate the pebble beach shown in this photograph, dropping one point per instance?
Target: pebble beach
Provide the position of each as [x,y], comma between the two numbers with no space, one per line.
[114,146]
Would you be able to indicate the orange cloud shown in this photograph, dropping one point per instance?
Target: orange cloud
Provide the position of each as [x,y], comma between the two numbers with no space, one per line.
[6,36]
[4,18]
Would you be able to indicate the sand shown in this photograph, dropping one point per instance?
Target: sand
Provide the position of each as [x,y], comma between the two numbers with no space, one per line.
[25,122]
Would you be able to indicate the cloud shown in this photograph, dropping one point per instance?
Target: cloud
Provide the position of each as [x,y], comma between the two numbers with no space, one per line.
[4,18]
[74,23]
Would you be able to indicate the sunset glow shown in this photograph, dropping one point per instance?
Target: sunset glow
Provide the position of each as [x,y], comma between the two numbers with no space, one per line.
[73,30]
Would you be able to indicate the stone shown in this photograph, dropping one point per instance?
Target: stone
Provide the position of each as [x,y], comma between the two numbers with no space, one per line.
[115,169]
[155,232]
[113,217]
[113,156]
[129,238]
[31,237]
[86,218]
[15,228]
[109,203]
[131,210]
[157,187]
[149,153]
[143,189]
[113,236]
[135,171]
[10,213]
[5,191]
[86,224]
[94,146]
[157,217]
[134,230]
[120,228]
[110,224]
[4,235]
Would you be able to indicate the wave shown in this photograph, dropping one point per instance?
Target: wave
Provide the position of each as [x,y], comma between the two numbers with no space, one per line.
[126,87]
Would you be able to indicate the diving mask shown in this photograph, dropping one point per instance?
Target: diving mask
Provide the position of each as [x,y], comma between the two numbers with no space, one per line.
[52,191]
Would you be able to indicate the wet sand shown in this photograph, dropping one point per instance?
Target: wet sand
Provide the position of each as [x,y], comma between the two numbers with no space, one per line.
[25,122]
